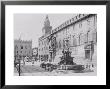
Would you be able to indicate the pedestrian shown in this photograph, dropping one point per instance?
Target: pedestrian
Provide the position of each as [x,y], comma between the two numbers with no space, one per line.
[32,61]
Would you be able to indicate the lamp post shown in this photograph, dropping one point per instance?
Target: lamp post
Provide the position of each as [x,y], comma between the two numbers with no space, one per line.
[19,65]
[92,49]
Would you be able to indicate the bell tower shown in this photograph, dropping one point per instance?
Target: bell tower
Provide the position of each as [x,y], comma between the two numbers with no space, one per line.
[47,28]
[46,22]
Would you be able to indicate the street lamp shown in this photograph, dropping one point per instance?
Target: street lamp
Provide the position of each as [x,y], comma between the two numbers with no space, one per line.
[92,49]
[19,65]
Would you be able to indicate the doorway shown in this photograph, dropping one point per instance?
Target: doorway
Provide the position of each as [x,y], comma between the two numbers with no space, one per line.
[87,54]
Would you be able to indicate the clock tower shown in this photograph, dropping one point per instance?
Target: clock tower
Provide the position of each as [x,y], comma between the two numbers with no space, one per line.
[47,28]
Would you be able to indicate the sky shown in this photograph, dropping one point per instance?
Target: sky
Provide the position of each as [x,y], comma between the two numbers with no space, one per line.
[29,26]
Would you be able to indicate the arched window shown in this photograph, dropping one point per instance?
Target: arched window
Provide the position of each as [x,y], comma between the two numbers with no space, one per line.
[81,39]
[90,37]
[59,44]
[74,41]
[85,38]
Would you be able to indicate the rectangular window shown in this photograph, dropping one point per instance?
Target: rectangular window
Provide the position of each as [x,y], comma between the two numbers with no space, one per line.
[82,39]
[85,38]
[80,24]
[88,21]
[74,41]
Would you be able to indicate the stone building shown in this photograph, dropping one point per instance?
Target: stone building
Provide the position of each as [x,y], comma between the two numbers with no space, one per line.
[22,49]
[79,34]
[43,49]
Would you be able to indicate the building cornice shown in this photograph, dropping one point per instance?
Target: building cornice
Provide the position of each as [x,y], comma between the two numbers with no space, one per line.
[69,22]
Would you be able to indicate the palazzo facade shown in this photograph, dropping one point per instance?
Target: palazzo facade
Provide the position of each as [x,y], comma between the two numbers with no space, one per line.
[78,34]
[22,48]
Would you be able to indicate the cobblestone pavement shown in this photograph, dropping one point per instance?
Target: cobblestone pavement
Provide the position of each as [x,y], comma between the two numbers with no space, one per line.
[35,70]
